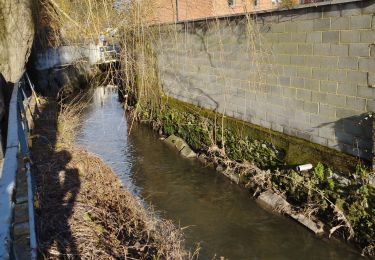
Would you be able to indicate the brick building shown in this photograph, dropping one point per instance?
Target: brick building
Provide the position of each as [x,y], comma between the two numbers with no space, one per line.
[166,11]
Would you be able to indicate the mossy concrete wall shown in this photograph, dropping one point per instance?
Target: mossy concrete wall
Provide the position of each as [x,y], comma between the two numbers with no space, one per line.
[308,72]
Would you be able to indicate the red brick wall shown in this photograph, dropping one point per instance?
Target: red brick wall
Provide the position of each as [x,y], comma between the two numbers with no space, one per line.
[165,10]
[194,9]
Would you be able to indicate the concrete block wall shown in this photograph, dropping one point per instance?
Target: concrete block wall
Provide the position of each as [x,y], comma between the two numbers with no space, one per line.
[308,72]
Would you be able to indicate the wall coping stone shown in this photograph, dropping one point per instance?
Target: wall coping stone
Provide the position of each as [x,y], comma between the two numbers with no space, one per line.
[270,11]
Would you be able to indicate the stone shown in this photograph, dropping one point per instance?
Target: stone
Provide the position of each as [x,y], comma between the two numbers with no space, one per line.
[181,146]
[232,175]
[371,179]
[313,225]
[176,142]
[274,201]
[188,152]
[340,179]
[17,33]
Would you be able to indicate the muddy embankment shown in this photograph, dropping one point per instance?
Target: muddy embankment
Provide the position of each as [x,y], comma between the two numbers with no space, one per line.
[82,209]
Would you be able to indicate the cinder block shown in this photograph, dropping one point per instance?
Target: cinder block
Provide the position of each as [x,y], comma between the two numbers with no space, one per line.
[287,48]
[290,26]
[350,36]
[361,22]
[359,49]
[318,121]
[346,88]
[313,61]
[319,97]
[327,132]
[305,72]
[284,81]
[298,82]
[277,127]
[337,75]
[340,23]
[284,37]
[297,60]
[282,59]
[278,27]
[312,84]
[356,103]
[311,107]
[275,90]
[331,37]
[370,106]
[336,100]
[328,86]
[367,64]
[304,94]
[322,49]
[319,73]
[319,140]
[367,36]
[327,110]
[322,24]
[340,50]
[314,37]
[371,79]
[289,92]
[305,26]
[366,92]
[328,62]
[345,113]
[299,37]
[357,77]
[348,63]
[295,103]
[305,49]
[372,50]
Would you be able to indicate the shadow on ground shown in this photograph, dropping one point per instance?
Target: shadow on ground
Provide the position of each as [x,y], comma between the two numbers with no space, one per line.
[56,184]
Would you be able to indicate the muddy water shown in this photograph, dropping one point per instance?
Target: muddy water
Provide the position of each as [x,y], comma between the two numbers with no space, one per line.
[220,216]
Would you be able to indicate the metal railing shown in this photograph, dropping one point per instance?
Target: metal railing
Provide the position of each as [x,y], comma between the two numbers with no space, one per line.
[17,143]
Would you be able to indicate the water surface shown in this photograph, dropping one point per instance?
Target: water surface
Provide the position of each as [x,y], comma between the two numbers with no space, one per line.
[219,215]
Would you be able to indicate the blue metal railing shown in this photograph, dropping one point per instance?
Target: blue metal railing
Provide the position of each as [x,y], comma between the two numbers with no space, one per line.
[17,141]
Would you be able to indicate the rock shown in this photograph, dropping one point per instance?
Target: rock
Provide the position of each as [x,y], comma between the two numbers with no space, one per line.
[176,142]
[274,201]
[188,152]
[220,168]
[16,37]
[371,179]
[314,225]
[202,158]
[231,175]
[341,180]
[181,146]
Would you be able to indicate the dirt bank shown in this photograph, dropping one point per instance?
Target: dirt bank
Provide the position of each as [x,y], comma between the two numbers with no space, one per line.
[83,211]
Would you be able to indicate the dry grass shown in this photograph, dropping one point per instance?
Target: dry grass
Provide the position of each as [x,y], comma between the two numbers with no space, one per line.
[83,211]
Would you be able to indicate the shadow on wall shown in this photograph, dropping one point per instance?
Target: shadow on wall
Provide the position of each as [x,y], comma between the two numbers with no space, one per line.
[353,135]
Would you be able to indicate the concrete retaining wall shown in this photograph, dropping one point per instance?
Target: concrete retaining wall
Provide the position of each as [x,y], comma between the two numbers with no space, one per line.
[307,72]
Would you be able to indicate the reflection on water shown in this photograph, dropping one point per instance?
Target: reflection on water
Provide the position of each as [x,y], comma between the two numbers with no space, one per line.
[218,214]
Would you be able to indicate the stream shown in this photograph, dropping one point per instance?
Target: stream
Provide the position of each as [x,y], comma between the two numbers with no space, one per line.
[222,217]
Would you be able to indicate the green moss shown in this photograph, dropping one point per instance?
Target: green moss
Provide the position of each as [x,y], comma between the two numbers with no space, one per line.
[297,150]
